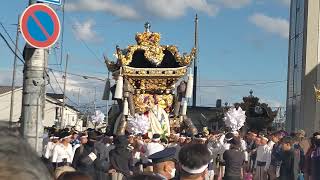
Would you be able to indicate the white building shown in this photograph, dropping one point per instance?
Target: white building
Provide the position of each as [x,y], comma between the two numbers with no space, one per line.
[53,109]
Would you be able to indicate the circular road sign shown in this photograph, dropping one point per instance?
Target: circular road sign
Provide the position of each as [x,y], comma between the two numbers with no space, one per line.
[40,25]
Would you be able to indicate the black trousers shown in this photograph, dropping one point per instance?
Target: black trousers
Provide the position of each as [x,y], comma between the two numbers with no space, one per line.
[231,178]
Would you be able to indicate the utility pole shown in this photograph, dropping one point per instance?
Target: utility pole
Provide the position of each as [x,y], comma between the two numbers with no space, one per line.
[14,73]
[79,98]
[94,100]
[62,124]
[33,99]
[195,66]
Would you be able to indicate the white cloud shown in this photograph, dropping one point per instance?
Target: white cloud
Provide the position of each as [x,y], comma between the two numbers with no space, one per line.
[271,102]
[84,31]
[177,8]
[6,77]
[109,6]
[279,26]
[234,3]
[74,83]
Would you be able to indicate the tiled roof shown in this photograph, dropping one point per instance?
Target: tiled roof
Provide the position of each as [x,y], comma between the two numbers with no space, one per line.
[5,89]
[55,96]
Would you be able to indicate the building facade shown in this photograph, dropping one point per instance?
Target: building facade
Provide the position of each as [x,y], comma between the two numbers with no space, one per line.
[303,112]
[53,109]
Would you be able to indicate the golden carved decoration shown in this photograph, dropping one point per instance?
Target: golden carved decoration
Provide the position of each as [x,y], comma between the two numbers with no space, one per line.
[175,122]
[154,72]
[183,60]
[154,53]
[160,85]
[317,93]
[112,66]
[148,38]
[144,102]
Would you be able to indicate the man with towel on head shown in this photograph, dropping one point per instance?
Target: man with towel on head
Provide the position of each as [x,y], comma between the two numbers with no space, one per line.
[151,148]
[154,146]
[263,152]
[194,160]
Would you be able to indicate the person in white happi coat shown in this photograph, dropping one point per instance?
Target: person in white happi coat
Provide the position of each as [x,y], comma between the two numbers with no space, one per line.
[151,148]
[263,152]
[48,149]
[219,148]
[62,153]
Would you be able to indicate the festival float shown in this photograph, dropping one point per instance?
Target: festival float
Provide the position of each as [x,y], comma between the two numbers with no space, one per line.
[153,84]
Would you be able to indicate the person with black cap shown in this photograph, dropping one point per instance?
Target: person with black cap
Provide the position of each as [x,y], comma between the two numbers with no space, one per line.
[234,160]
[120,158]
[194,160]
[90,158]
[164,163]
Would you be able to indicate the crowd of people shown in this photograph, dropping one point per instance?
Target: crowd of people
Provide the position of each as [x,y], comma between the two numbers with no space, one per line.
[205,156]
[92,155]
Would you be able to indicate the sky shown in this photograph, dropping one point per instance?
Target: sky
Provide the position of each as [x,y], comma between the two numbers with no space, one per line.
[243,44]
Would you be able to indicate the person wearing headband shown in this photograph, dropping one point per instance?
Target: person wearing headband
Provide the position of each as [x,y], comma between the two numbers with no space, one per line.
[74,138]
[54,140]
[194,160]
[274,161]
[63,154]
[149,149]
[83,139]
[154,146]
[263,153]
[200,138]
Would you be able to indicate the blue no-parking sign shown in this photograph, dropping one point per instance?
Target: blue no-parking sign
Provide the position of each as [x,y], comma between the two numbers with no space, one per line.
[56,2]
[40,26]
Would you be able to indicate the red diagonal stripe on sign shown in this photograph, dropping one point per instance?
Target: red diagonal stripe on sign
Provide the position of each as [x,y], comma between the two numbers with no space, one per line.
[40,26]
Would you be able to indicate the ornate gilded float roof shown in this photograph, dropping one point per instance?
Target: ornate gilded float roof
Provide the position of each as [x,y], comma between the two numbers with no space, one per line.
[149,51]
[154,72]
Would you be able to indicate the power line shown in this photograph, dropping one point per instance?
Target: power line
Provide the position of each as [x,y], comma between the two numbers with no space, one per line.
[5,40]
[91,51]
[88,48]
[244,84]
[50,84]
[79,75]
[5,30]
[60,86]
[54,76]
